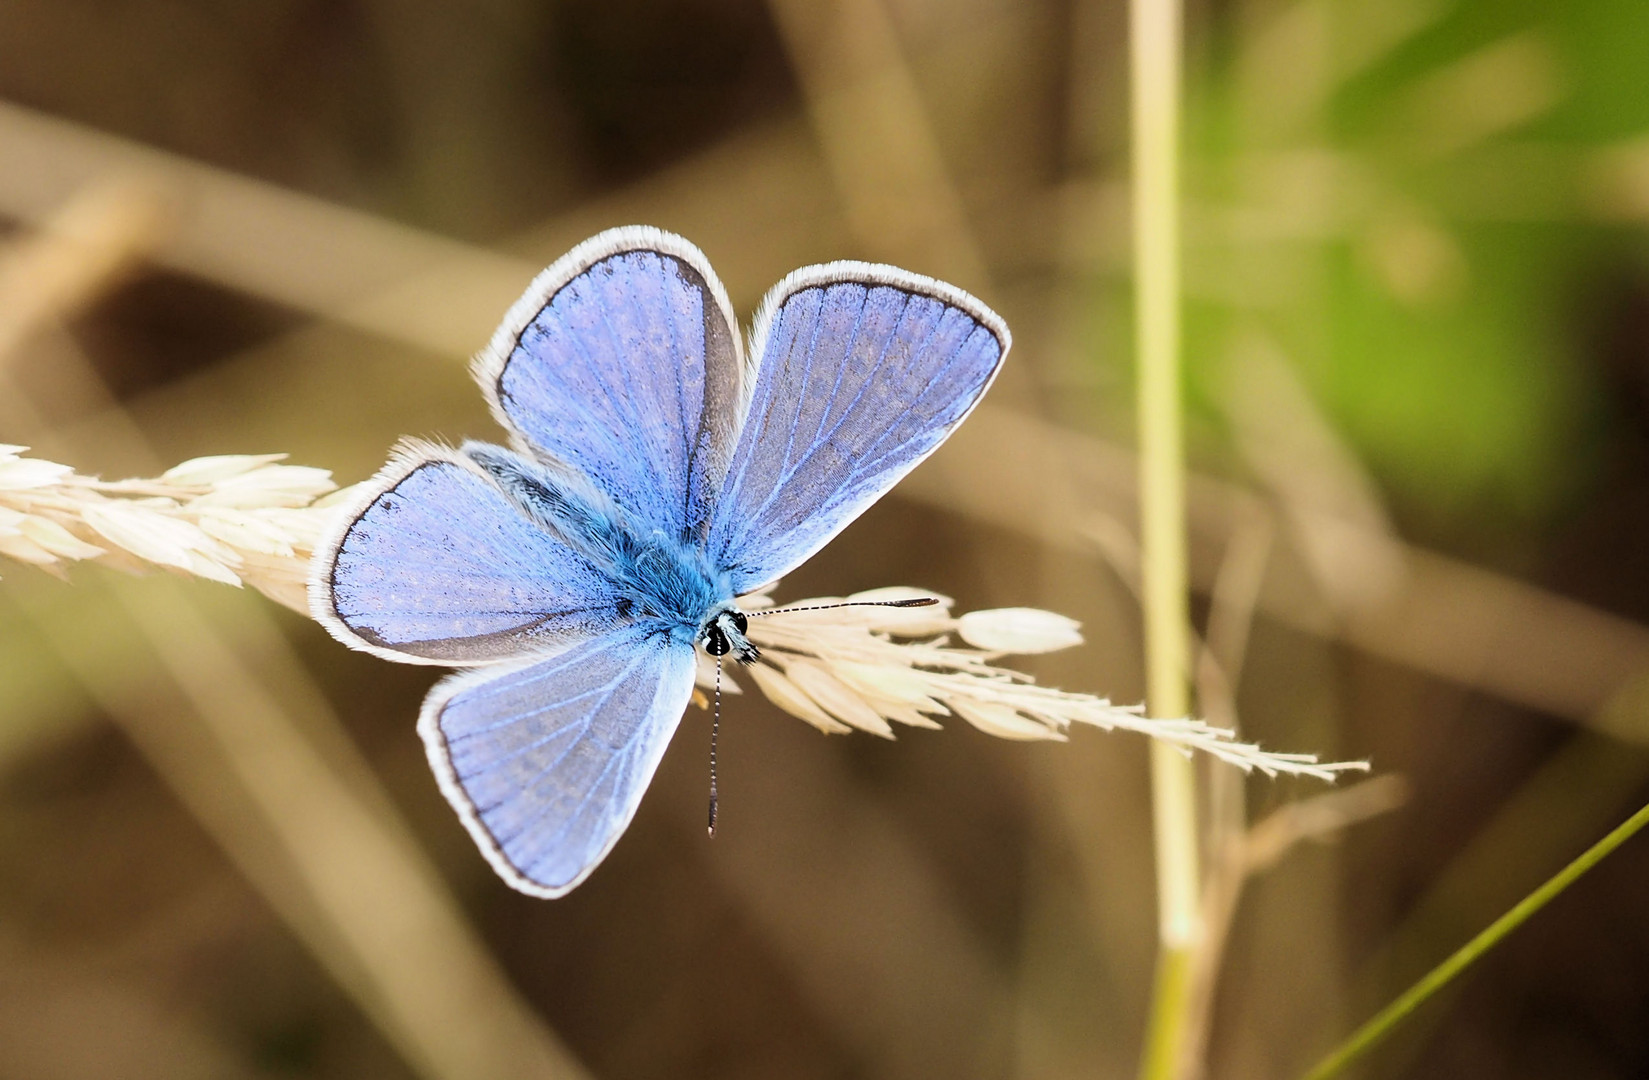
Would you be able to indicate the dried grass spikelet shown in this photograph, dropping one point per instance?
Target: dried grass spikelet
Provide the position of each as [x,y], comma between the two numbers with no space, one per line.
[237,519]
[868,668]
[246,519]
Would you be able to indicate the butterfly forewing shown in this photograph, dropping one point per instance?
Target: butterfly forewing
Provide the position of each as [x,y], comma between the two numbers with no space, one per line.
[437,566]
[546,763]
[862,372]
[621,361]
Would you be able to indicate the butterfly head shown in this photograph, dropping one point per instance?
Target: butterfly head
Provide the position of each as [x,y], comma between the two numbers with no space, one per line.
[723,633]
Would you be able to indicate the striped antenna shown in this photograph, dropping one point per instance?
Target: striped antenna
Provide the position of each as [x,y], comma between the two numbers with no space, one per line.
[920,601]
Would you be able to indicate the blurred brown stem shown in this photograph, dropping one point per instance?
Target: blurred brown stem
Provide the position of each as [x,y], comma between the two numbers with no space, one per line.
[874,130]
[1251,853]
[299,814]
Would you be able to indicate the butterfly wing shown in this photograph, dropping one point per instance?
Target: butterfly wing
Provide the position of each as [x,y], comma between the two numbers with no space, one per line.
[862,371]
[621,361]
[547,762]
[436,565]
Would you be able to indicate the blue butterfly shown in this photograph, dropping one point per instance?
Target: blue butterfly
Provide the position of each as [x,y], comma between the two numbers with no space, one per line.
[657,472]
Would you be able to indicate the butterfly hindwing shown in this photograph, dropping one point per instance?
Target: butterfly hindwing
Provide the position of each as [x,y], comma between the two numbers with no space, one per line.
[546,762]
[622,361]
[437,566]
[861,372]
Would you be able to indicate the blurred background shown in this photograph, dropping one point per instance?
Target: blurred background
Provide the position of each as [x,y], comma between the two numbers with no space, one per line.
[1418,397]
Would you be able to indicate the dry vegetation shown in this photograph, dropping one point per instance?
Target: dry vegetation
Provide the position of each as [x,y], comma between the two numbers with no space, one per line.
[280,229]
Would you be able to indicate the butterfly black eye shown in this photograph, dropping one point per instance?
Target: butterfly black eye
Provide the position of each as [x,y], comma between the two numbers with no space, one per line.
[715,642]
[740,621]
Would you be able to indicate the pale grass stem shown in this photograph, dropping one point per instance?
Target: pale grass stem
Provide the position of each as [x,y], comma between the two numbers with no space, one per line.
[247,519]
[870,668]
[237,519]
[1154,40]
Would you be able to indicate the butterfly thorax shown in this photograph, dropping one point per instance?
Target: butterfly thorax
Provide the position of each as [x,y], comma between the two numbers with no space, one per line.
[655,577]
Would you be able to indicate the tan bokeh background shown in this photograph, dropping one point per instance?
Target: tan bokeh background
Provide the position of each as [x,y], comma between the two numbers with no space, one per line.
[1417,331]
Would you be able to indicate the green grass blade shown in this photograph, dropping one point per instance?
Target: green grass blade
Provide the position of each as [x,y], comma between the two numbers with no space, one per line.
[1370,1034]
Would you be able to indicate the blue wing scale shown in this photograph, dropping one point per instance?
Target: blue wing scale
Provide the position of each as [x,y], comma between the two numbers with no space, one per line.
[862,372]
[621,363]
[438,566]
[546,762]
